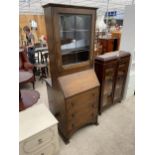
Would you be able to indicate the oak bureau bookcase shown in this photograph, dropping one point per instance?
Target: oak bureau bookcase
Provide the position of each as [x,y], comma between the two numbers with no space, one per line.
[75,88]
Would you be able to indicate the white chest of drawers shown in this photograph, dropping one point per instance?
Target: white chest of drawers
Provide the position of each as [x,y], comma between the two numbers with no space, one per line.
[38,133]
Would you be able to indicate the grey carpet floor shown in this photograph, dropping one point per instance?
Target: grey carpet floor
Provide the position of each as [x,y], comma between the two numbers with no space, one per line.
[115,134]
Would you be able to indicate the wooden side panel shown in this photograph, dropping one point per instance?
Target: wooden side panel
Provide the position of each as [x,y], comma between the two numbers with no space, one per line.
[109,44]
[59,101]
[51,35]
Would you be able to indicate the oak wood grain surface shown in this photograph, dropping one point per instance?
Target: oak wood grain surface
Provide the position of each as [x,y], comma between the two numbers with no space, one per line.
[75,83]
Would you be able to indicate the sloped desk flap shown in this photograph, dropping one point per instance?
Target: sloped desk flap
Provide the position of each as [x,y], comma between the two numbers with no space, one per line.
[75,83]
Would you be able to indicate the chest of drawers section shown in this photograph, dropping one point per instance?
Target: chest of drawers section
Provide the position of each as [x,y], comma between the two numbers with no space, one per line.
[81,94]
[82,109]
[38,134]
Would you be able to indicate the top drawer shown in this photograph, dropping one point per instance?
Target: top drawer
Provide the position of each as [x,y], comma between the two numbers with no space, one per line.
[82,100]
[49,150]
[35,142]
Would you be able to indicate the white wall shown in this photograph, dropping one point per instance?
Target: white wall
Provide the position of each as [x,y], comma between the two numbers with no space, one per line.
[128,44]
[100,25]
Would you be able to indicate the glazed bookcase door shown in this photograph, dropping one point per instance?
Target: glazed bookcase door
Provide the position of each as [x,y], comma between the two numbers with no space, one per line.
[108,86]
[74,39]
[120,81]
[75,34]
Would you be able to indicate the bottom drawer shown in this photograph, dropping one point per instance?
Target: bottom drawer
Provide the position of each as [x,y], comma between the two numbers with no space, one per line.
[82,120]
[49,150]
[38,141]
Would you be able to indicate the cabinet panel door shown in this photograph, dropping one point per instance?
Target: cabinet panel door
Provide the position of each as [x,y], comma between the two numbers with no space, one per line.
[108,85]
[75,34]
[120,81]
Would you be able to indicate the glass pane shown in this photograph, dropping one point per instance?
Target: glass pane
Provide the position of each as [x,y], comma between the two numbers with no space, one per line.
[108,86]
[107,100]
[119,85]
[75,38]
[109,78]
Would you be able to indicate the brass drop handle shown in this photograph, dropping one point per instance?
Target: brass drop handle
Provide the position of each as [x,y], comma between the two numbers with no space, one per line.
[40,141]
[93,105]
[73,125]
[73,115]
[93,94]
[92,114]
[72,104]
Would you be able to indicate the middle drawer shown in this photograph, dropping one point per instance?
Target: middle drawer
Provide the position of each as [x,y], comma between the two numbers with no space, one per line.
[83,100]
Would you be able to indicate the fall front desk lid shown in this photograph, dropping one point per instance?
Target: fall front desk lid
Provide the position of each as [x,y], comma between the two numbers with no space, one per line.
[76,83]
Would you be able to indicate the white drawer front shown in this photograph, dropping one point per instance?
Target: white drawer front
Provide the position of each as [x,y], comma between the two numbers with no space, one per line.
[38,141]
[49,150]
[49,145]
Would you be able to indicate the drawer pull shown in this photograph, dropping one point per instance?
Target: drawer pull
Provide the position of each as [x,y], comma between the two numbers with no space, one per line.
[42,154]
[93,94]
[92,114]
[72,104]
[73,125]
[40,141]
[93,106]
[73,115]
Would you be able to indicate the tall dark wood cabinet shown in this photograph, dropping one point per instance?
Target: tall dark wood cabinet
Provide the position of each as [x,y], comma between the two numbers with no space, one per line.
[75,87]
[111,69]
[109,44]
